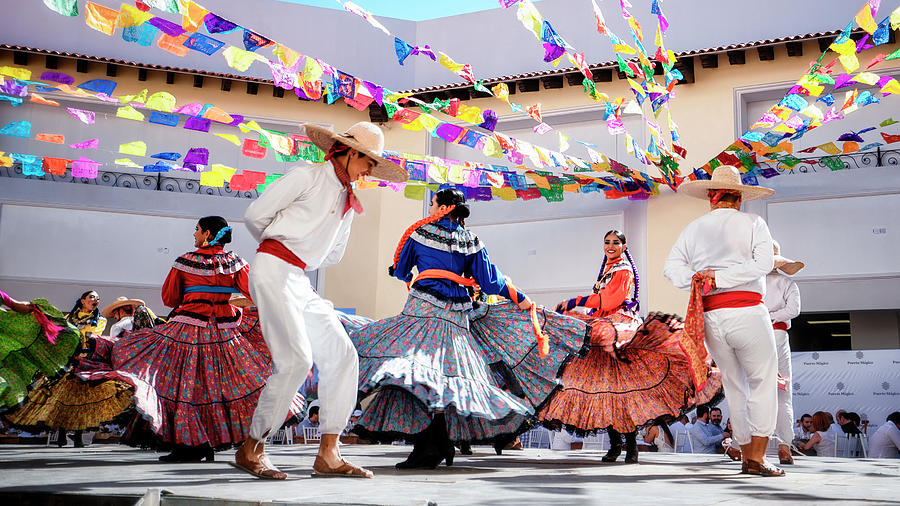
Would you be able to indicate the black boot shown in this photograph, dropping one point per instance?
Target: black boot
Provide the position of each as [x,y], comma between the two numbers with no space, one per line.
[615,445]
[502,441]
[465,448]
[441,438]
[631,451]
[76,436]
[186,454]
[423,452]
[61,438]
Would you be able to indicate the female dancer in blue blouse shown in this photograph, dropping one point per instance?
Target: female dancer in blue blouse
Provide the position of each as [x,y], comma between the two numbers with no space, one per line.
[441,372]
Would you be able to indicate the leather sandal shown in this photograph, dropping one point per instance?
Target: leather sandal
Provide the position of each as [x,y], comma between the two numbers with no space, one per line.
[762,469]
[345,470]
[733,453]
[784,456]
[262,468]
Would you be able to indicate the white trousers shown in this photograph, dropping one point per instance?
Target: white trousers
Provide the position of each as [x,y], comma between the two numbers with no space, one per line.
[741,342]
[784,426]
[300,329]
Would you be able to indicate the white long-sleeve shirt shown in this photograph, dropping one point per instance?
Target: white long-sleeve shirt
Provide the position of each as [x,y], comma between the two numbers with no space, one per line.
[885,442]
[304,210]
[782,298]
[736,245]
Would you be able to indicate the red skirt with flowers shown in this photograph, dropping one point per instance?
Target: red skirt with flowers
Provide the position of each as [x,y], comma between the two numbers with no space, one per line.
[628,377]
[197,386]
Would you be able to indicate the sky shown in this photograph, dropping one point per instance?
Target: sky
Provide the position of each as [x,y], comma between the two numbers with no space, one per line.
[412,10]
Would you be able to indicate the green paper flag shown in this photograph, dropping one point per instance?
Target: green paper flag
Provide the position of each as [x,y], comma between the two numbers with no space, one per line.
[893,56]
[479,86]
[414,192]
[832,162]
[64,7]
[269,178]
[887,122]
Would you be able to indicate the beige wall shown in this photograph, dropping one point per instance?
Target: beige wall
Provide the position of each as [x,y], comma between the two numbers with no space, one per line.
[704,112]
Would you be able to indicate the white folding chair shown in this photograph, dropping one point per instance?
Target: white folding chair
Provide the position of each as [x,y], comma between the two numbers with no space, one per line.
[311,435]
[850,446]
[683,442]
[538,437]
[595,442]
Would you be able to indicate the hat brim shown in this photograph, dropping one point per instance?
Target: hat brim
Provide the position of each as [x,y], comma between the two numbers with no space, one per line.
[108,310]
[384,169]
[698,189]
[787,265]
[240,302]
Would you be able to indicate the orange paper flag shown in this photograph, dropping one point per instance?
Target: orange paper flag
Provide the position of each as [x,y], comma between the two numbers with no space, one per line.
[41,100]
[173,45]
[54,138]
[55,166]
[100,18]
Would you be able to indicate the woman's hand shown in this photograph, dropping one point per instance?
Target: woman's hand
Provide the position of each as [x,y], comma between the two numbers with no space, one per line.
[526,304]
[20,307]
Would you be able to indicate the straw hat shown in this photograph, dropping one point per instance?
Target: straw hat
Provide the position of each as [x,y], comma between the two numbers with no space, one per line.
[240,301]
[786,265]
[120,302]
[725,177]
[364,137]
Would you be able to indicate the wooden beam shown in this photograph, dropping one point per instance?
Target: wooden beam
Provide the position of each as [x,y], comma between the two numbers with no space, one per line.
[824,42]
[685,65]
[575,78]
[252,88]
[51,61]
[198,81]
[170,77]
[709,61]
[736,57]
[766,53]
[794,48]
[552,82]
[226,85]
[111,70]
[277,92]
[602,75]
[20,58]
[377,114]
[81,66]
[142,74]
[526,85]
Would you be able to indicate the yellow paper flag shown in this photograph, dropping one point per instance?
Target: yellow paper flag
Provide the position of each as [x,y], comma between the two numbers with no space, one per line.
[139,98]
[455,175]
[225,170]
[850,62]
[492,148]
[563,142]
[136,148]
[230,138]
[131,16]
[161,101]
[501,91]
[239,59]
[865,20]
[212,178]
[530,17]
[813,111]
[20,73]
[129,112]
[866,77]
[280,143]
[448,62]
[251,125]
[830,148]
[312,70]
[287,55]
[429,122]
[127,162]
[100,18]
[891,86]
[469,114]
[437,173]
[844,48]
[505,193]
[414,125]
[895,19]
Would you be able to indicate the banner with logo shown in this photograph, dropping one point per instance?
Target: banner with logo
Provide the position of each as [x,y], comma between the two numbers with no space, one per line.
[865,381]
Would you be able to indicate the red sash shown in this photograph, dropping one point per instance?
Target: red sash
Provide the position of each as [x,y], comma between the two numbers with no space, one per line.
[730,300]
[276,249]
[780,326]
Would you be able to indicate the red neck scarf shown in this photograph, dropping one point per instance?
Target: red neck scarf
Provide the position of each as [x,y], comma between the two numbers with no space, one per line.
[715,198]
[344,177]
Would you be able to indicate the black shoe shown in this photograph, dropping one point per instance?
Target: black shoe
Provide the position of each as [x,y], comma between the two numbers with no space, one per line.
[612,454]
[502,441]
[615,445]
[421,454]
[631,451]
[182,454]
[77,438]
[465,448]
[449,454]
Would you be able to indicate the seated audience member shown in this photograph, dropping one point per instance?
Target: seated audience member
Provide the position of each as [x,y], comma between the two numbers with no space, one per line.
[312,419]
[564,440]
[885,442]
[715,418]
[659,437]
[351,422]
[823,441]
[850,424]
[803,433]
[706,437]
[732,449]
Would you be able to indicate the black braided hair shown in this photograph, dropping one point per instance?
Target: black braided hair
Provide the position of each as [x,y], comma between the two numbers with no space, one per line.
[637,280]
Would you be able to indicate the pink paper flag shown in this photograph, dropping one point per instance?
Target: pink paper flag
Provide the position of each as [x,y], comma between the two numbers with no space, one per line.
[86,117]
[542,128]
[91,144]
[85,167]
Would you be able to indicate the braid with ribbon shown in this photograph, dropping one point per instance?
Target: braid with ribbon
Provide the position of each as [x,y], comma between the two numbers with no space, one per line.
[634,304]
[221,233]
[412,228]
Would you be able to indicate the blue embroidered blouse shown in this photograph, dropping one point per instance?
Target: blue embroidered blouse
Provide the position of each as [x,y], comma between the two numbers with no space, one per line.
[449,246]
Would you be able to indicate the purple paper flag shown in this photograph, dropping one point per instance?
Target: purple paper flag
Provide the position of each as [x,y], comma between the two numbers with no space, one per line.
[202,43]
[166,26]
[490,120]
[16,90]
[448,132]
[86,117]
[58,77]
[199,124]
[215,24]
[376,91]
[85,167]
[198,156]
[91,144]
[237,119]
[842,80]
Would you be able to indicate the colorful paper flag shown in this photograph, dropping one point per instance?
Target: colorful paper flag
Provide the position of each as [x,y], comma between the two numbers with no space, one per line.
[55,166]
[91,144]
[17,129]
[136,148]
[100,18]
[85,168]
[54,138]
[129,112]
[174,45]
[64,7]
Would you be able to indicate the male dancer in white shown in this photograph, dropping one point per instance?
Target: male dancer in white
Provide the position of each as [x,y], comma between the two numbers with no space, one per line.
[303,223]
[731,252]
[783,302]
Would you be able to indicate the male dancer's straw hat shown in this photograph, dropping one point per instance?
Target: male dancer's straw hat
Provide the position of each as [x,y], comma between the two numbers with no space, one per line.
[120,302]
[786,265]
[240,301]
[725,177]
[364,137]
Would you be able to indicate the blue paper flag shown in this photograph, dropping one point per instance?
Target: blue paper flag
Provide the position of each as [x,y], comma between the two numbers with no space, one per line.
[13,101]
[99,86]
[254,41]
[31,165]
[161,118]
[794,101]
[202,43]
[142,35]
[17,129]
[157,167]
[827,99]
[402,49]
[882,33]
[167,156]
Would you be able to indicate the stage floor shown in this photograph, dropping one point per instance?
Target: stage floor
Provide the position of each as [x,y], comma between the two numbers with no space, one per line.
[113,475]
